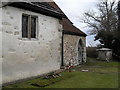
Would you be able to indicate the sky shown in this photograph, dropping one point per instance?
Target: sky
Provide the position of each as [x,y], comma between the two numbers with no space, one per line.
[74,9]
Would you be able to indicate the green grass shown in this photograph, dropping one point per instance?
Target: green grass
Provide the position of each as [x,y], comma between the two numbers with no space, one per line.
[41,81]
[94,62]
[100,75]
[88,80]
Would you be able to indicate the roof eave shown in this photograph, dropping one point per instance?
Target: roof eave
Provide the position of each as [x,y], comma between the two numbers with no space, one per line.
[34,8]
[73,33]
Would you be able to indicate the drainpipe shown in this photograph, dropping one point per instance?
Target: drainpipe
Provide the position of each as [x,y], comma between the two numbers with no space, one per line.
[62,51]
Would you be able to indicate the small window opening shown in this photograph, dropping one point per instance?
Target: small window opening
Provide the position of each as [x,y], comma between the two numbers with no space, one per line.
[29,26]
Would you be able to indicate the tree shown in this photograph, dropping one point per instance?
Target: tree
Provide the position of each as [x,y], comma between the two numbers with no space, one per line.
[119,16]
[104,24]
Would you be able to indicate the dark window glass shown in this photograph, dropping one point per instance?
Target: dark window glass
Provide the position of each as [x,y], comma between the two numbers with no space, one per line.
[29,26]
[24,26]
[33,27]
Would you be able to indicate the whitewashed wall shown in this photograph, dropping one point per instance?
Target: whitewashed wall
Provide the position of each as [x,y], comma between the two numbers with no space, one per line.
[0,48]
[27,58]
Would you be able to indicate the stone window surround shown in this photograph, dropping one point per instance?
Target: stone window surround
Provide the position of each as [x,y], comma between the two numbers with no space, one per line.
[29,38]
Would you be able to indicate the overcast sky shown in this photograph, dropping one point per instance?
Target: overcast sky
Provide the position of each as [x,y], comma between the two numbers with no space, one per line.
[75,9]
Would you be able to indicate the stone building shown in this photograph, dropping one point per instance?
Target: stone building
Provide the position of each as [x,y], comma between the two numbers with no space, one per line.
[74,44]
[37,38]
[104,54]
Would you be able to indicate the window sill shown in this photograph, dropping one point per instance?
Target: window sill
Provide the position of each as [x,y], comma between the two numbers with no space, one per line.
[26,39]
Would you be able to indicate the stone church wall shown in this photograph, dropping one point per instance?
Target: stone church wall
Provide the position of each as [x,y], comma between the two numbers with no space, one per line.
[24,58]
[71,49]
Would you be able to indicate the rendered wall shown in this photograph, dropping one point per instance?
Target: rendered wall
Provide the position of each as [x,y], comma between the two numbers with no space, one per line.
[23,58]
[71,49]
[104,55]
[0,47]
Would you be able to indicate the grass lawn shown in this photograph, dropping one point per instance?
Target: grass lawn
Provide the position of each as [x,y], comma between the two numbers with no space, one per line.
[100,74]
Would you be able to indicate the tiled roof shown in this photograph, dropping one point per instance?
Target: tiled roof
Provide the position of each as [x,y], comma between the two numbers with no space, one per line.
[47,6]
[71,29]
